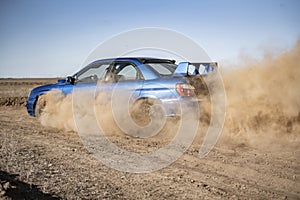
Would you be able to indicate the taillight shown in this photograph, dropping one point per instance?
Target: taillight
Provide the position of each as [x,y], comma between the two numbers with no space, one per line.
[184,89]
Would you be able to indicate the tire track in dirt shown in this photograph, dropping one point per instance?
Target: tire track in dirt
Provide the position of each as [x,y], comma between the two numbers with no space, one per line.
[58,164]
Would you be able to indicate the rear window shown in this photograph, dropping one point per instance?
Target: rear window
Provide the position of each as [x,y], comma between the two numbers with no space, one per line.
[163,69]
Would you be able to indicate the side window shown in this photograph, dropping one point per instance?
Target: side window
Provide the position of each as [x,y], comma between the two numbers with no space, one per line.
[93,74]
[128,72]
[164,69]
[123,71]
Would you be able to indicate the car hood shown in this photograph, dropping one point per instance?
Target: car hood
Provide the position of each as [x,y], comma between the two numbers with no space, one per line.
[44,88]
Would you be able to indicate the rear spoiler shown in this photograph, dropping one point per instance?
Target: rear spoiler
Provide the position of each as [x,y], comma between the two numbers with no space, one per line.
[192,69]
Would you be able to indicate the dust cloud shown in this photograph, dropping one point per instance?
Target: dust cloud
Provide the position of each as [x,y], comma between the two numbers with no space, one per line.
[263,103]
[58,111]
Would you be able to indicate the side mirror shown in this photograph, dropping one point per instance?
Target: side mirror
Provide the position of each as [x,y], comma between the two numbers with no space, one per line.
[70,79]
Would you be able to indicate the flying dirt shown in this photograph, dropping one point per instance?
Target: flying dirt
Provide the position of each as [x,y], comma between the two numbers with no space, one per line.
[263,103]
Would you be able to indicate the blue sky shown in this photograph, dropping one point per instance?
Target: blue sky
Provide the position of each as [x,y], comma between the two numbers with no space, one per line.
[52,38]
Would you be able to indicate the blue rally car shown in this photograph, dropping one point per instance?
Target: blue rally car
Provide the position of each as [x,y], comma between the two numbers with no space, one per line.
[154,81]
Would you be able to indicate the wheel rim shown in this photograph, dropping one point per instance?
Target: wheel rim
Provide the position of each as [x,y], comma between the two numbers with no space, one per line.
[141,112]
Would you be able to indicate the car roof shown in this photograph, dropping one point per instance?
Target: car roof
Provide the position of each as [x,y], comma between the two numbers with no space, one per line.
[139,59]
[142,60]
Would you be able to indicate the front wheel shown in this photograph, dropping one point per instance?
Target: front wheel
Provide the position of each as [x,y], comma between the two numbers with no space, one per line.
[40,106]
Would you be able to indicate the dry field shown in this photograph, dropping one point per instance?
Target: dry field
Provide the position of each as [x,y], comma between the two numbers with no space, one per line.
[38,162]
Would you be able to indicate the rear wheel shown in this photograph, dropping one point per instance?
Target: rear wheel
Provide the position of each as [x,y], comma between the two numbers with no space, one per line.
[146,110]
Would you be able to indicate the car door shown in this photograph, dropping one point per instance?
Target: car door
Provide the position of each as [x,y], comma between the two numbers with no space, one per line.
[114,86]
[85,85]
[123,79]
[110,78]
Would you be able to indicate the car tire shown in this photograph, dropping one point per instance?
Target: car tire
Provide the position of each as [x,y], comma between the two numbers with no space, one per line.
[144,111]
[39,106]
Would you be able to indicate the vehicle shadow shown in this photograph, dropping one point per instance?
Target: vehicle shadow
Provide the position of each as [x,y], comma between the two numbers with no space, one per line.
[13,188]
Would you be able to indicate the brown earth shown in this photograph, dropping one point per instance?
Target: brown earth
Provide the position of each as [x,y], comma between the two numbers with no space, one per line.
[14,92]
[38,162]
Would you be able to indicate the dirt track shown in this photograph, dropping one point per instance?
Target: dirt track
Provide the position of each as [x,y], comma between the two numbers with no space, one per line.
[39,162]
[257,156]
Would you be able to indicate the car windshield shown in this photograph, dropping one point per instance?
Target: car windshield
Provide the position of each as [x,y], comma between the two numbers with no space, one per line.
[163,69]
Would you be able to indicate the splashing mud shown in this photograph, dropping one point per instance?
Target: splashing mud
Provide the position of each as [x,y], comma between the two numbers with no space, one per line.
[263,104]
